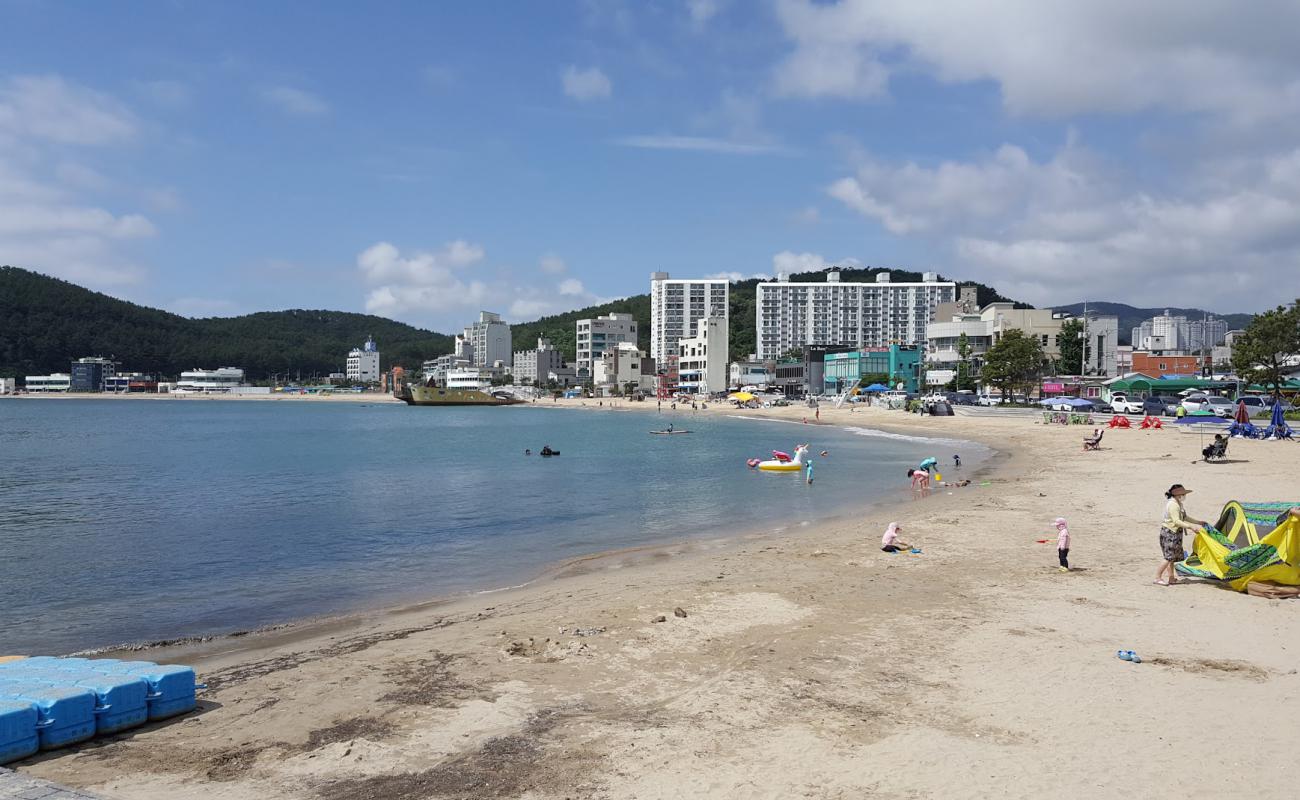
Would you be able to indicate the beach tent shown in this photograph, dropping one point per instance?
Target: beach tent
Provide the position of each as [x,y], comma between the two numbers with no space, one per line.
[1252,541]
[876,387]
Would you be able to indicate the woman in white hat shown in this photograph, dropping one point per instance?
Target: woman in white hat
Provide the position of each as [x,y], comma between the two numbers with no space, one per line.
[1172,527]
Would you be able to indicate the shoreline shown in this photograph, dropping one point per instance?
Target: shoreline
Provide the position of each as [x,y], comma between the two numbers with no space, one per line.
[377,397]
[199,643]
[809,663]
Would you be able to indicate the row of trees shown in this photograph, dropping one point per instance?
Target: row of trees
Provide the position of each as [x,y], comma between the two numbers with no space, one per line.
[1263,353]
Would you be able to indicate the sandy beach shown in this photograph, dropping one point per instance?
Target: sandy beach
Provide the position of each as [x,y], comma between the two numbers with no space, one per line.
[807,663]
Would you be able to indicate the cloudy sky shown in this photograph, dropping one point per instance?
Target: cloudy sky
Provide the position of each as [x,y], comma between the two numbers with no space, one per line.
[425,160]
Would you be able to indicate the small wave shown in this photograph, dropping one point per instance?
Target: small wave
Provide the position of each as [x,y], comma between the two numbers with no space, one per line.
[874,432]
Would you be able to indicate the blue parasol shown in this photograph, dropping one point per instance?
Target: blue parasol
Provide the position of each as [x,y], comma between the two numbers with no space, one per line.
[1277,427]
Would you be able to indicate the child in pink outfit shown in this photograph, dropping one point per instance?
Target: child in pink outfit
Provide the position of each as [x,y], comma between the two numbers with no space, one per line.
[1063,544]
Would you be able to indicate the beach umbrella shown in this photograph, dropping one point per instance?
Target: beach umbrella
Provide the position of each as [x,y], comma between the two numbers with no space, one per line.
[1047,401]
[1242,415]
[743,397]
[1276,424]
[1078,402]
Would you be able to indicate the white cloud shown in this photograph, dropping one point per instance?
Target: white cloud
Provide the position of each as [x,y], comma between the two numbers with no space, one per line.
[571,287]
[787,262]
[701,11]
[700,143]
[1050,231]
[553,265]
[1055,58]
[295,101]
[586,84]
[168,93]
[46,108]
[46,222]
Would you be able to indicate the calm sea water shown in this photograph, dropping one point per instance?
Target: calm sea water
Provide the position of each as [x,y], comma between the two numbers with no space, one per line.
[137,521]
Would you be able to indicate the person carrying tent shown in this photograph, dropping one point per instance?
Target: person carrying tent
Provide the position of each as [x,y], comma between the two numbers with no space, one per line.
[1172,527]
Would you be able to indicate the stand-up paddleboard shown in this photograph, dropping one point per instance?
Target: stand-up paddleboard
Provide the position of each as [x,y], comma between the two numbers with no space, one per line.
[667,433]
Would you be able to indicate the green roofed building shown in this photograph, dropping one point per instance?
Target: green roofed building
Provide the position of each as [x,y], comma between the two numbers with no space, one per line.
[900,363]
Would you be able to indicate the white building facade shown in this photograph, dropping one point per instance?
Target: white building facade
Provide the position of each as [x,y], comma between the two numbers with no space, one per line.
[211,381]
[363,363]
[542,365]
[751,372]
[595,335]
[702,359]
[677,306]
[55,382]
[619,365]
[489,341]
[791,315]
[982,330]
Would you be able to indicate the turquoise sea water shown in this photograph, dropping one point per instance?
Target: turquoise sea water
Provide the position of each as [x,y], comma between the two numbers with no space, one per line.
[137,521]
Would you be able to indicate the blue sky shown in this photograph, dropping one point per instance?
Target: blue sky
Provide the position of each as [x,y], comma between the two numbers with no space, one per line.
[426,160]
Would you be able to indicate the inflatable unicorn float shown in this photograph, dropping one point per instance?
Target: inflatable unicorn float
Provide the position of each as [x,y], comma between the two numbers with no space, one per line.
[782,461]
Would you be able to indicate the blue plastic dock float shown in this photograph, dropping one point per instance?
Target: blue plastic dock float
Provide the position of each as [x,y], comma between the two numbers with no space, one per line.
[18,738]
[66,714]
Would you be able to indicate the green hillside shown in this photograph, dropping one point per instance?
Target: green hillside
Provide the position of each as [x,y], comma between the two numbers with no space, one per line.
[45,322]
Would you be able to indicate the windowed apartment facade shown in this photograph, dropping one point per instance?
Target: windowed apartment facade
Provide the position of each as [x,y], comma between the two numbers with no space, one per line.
[677,306]
[791,315]
[594,336]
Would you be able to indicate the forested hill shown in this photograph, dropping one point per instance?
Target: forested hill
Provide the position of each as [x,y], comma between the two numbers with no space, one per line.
[46,322]
[560,328]
[1130,317]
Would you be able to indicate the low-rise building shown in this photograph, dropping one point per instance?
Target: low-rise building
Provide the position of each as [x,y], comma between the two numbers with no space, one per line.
[211,381]
[131,382]
[621,366]
[982,330]
[896,364]
[436,369]
[702,360]
[594,335]
[791,377]
[54,382]
[8,385]
[363,363]
[91,374]
[542,365]
[472,377]
[1163,364]
[752,372]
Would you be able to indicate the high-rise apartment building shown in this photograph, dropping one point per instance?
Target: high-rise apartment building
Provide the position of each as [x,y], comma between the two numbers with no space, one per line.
[489,339]
[1177,333]
[791,315]
[594,336]
[677,306]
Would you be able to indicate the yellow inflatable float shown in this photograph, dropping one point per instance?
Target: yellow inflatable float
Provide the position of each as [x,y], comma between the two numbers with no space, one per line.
[782,462]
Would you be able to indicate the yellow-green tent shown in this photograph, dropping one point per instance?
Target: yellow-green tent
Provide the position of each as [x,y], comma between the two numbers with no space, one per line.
[1250,542]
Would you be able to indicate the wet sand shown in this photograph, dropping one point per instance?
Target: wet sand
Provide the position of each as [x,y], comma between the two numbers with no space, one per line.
[808,663]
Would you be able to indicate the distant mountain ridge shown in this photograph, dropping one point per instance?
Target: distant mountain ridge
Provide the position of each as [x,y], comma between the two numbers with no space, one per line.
[1131,316]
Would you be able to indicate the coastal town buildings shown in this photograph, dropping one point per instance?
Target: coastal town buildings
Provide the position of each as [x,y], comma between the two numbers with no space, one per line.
[8,385]
[982,330]
[542,365]
[211,381]
[489,341]
[594,335]
[1175,332]
[677,306]
[436,369]
[472,377]
[1161,365]
[363,363]
[792,314]
[752,372]
[91,374]
[896,366]
[622,366]
[54,382]
[702,359]
[131,383]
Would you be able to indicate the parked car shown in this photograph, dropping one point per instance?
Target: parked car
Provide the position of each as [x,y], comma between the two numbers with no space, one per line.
[961,399]
[1257,406]
[1120,404]
[989,400]
[1221,406]
[1194,402]
[1155,406]
[1171,403]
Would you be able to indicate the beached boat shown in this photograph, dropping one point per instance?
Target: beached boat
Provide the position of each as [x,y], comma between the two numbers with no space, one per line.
[442,396]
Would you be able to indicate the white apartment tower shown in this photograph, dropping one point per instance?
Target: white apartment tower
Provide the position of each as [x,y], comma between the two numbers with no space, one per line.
[489,341]
[363,362]
[702,358]
[677,306]
[791,315]
[594,336]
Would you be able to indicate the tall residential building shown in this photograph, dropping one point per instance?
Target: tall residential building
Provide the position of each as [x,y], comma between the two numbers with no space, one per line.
[594,335]
[490,340]
[702,359]
[1177,333]
[677,306]
[363,362]
[791,315]
[541,365]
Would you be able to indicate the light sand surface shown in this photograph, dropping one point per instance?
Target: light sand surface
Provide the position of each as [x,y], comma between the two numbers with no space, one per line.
[342,397]
[809,663]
